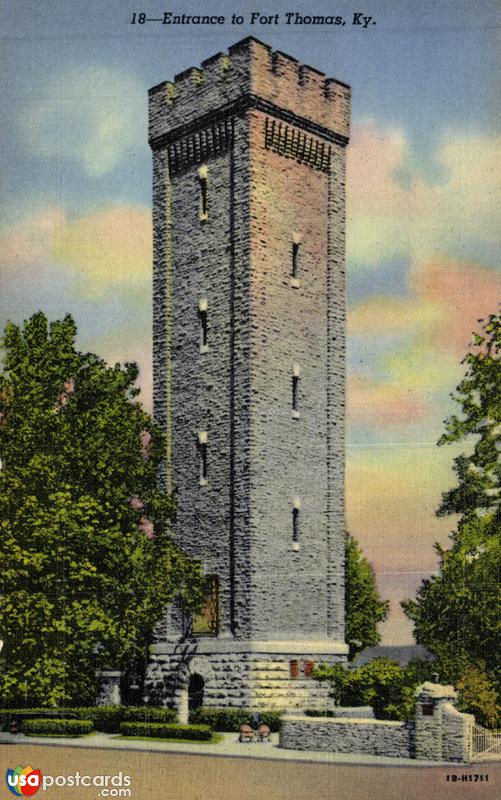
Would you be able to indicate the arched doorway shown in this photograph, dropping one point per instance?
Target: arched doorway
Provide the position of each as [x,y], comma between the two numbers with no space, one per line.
[195,691]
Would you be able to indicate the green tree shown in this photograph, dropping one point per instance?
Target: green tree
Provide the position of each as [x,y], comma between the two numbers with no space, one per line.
[381,683]
[457,612]
[477,695]
[88,562]
[364,607]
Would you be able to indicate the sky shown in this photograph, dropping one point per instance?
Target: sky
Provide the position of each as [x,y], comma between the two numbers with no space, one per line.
[422,184]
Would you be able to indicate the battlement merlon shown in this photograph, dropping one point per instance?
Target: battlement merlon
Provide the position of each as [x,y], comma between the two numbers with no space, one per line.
[250,75]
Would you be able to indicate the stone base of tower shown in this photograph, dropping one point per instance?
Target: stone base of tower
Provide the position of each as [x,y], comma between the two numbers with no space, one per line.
[258,675]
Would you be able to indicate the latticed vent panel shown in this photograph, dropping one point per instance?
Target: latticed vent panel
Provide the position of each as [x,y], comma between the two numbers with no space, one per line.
[200,146]
[291,143]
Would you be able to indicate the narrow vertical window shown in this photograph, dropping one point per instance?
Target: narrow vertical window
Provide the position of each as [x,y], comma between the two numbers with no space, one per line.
[202,316]
[295,258]
[295,390]
[296,507]
[295,381]
[296,239]
[203,462]
[204,193]
[202,449]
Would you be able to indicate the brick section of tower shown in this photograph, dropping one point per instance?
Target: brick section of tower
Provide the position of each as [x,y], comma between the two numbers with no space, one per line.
[271,135]
[299,594]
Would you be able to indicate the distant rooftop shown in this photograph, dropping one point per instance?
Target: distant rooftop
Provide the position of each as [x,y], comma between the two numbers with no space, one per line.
[401,653]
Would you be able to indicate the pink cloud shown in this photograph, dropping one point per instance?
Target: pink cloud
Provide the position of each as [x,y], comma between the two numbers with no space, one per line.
[30,242]
[466,292]
[374,153]
[381,405]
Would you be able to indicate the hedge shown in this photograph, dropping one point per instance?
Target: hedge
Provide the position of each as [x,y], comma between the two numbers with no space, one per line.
[109,718]
[161,731]
[105,718]
[20,715]
[230,719]
[59,727]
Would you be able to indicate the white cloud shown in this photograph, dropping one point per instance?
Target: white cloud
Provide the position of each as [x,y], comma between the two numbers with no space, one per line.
[387,220]
[95,117]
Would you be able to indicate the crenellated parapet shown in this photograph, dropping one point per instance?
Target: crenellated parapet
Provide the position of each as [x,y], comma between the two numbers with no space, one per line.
[251,74]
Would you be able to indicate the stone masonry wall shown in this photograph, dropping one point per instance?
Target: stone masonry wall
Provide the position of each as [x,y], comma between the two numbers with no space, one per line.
[265,138]
[198,391]
[456,734]
[370,737]
[271,181]
[439,731]
[252,680]
[201,380]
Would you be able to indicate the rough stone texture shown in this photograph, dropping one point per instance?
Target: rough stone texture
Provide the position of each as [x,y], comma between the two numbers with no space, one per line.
[444,735]
[368,736]
[456,734]
[353,712]
[109,688]
[270,138]
[254,680]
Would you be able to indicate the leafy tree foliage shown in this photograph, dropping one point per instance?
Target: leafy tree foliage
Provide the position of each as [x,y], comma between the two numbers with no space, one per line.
[88,561]
[457,612]
[381,683]
[364,607]
[477,695]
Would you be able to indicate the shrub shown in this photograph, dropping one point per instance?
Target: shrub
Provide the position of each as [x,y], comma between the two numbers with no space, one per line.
[220,719]
[109,718]
[105,718]
[20,715]
[477,695]
[273,719]
[58,727]
[314,712]
[161,730]
[230,719]
[381,683]
[149,714]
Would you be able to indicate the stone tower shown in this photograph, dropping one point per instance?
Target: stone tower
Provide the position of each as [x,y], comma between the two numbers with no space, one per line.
[249,359]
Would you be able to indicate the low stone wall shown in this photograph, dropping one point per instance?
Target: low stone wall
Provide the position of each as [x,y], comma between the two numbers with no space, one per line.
[456,734]
[442,732]
[439,731]
[340,735]
[353,712]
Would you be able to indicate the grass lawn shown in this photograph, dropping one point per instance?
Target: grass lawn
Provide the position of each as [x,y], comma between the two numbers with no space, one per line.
[215,739]
[60,735]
